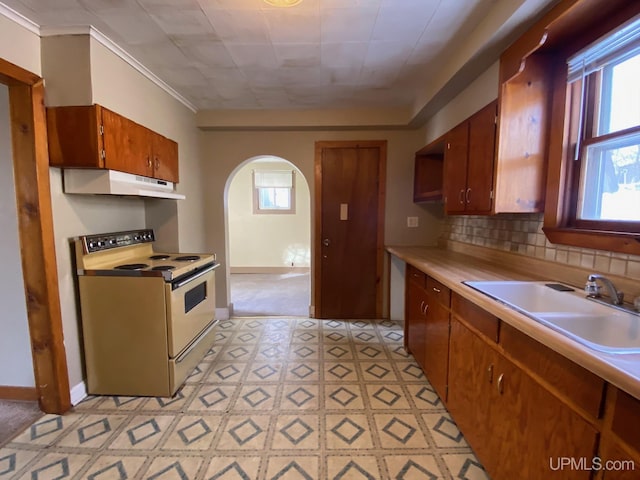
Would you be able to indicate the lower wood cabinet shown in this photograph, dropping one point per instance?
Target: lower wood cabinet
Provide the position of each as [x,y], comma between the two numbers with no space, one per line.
[427,327]
[517,428]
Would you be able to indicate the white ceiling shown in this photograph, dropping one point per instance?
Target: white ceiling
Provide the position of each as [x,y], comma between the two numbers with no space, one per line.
[243,54]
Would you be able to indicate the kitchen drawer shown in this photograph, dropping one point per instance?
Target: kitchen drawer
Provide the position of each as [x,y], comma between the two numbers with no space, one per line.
[182,366]
[577,384]
[439,292]
[626,419]
[481,320]
[416,276]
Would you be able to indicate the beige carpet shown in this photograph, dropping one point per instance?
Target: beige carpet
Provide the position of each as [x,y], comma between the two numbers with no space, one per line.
[275,398]
[15,416]
[262,294]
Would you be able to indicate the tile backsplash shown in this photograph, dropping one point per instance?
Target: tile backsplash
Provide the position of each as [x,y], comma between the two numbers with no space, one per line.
[522,234]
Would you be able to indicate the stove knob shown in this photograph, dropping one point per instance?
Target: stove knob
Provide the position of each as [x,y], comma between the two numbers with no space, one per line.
[91,244]
[112,241]
[136,237]
[101,243]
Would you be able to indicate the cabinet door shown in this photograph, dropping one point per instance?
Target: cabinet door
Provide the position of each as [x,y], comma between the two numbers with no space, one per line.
[482,136]
[455,168]
[471,376]
[437,345]
[416,321]
[165,158]
[127,145]
[528,418]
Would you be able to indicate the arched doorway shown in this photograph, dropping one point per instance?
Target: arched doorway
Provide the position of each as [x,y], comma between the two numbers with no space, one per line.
[268,226]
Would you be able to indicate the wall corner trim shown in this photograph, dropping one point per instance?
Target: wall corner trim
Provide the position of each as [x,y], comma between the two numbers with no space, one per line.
[222,313]
[118,51]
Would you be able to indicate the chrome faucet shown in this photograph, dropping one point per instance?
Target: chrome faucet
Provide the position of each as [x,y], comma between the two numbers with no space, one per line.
[593,289]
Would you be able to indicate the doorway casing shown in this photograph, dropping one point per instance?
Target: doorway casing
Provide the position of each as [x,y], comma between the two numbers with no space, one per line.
[37,241]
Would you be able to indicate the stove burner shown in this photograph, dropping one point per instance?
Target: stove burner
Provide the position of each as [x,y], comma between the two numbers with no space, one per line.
[164,267]
[187,258]
[131,266]
[158,257]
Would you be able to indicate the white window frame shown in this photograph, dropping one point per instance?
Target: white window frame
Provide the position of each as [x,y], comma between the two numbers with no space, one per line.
[273,179]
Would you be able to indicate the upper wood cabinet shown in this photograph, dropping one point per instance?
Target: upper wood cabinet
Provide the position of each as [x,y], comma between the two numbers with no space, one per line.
[428,173]
[95,137]
[469,164]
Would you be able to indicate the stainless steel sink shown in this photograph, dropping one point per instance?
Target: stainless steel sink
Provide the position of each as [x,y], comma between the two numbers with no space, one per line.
[593,324]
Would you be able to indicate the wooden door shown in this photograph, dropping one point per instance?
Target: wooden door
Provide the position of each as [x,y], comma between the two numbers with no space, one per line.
[127,145]
[482,137]
[350,180]
[165,158]
[455,168]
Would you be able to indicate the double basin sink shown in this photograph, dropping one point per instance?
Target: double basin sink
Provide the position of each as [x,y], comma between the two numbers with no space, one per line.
[569,312]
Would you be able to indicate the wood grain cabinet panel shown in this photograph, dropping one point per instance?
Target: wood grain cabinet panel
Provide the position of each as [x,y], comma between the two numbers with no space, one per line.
[94,137]
[469,163]
[581,387]
[481,320]
[415,315]
[515,426]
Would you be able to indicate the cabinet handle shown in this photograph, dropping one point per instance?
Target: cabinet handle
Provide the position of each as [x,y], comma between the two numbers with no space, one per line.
[467,196]
[490,373]
[148,161]
[416,275]
[422,306]
[437,290]
[157,164]
[501,384]
[426,307]
[461,196]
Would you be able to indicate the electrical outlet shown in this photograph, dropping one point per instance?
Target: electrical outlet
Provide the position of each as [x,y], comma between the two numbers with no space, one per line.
[412,222]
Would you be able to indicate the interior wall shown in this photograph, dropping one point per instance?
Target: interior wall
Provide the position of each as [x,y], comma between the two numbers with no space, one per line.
[267,240]
[16,364]
[223,151]
[19,45]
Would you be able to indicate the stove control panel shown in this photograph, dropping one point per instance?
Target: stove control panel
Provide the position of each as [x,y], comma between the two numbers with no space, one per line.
[106,241]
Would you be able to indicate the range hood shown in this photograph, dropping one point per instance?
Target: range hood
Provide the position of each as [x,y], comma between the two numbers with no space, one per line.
[113,182]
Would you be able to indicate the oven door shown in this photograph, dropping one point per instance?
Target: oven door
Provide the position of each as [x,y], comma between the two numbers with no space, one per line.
[190,308]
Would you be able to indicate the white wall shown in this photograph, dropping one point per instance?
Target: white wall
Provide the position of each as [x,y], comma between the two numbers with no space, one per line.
[268,240]
[16,365]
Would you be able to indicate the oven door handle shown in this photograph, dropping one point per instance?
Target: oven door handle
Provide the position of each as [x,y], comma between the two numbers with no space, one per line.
[182,283]
[194,344]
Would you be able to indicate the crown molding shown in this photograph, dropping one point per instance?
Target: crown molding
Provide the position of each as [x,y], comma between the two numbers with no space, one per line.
[20,19]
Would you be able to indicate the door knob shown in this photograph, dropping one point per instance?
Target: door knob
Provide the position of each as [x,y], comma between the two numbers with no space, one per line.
[326,242]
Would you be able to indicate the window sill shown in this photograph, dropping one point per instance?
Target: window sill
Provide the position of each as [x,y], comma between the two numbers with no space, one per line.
[628,243]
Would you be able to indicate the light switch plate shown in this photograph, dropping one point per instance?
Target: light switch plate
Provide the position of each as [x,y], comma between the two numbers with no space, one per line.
[412,222]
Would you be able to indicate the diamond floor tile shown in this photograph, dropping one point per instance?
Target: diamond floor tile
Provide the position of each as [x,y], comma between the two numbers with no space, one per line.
[273,399]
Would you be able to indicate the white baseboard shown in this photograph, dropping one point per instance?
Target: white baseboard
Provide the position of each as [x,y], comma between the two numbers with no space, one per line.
[277,270]
[222,313]
[78,393]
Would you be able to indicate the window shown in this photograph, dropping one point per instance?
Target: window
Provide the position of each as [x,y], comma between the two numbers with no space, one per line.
[604,119]
[273,191]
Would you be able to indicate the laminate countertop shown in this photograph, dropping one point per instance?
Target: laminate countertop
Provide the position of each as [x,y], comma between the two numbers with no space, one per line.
[452,268]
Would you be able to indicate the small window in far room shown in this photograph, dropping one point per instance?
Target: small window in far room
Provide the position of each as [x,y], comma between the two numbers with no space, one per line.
[273,191]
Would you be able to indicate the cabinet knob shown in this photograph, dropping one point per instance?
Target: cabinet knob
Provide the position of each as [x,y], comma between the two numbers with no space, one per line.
[437,290]
[467,196]
[501,384]
[461,196]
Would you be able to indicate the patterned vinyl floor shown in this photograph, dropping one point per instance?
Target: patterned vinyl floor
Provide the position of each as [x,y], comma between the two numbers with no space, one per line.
[275,398]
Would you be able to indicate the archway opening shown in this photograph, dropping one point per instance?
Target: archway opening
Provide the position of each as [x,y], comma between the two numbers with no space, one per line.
[268,212]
